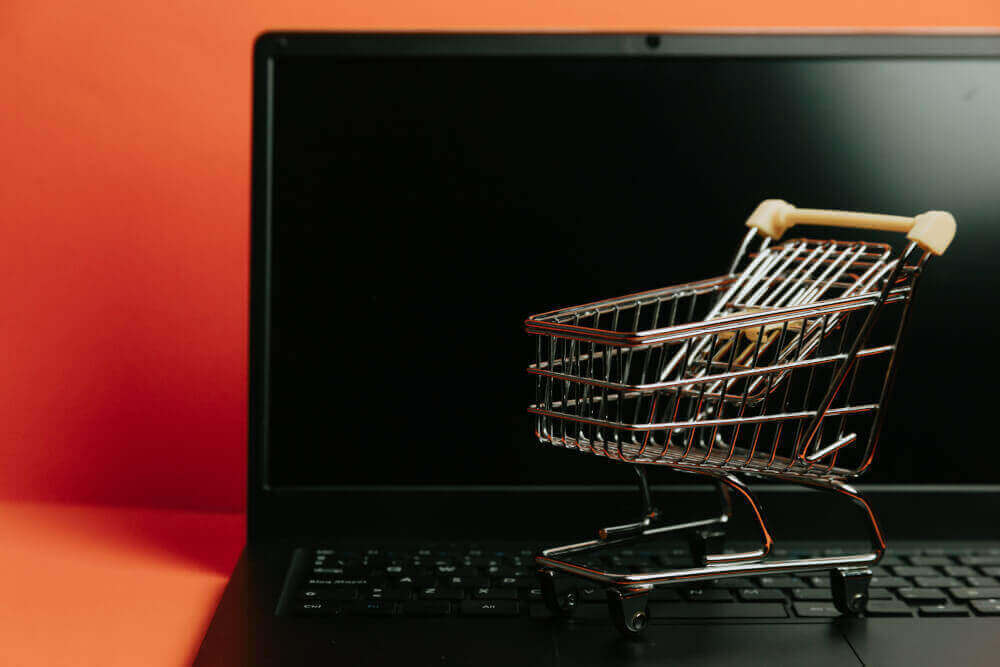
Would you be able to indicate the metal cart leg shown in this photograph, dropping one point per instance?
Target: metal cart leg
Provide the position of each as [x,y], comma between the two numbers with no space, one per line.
[651,522]
[629,609]
[650,515]
[707,547]
[706,542]
[839,487]
[712,540]
[558,592]
[849,585]
[850,589]
[628,592]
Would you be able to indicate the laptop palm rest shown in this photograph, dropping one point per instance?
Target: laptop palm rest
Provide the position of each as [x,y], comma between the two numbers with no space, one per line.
[814,644]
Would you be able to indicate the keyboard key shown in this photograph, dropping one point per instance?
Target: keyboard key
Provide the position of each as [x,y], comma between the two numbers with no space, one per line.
[317,608]
[986,607]
[378,593]
[337,581]
[341,572]
[913,571]
[708,595]
[466,582]
[815,609]
[488,608]
[890,582]
[760,595]
[975,593]
[937,561]
[981,582]
[373,608]
[990,571]
[426,608]
[887,608]
[906,551]
[812,594]
[319,581]
[923,595]
[700,610]
[331,594]
[435,593]
[735,582]
[979,560]
[936,582]
[781,582]
[943,610]
[448,571]
[960,571]
[486,593]
[880,594]
[420,581]
[515,582]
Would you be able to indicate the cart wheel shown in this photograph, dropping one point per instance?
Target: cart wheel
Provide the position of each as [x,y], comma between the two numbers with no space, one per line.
[706,541]
[850,590]
[558,593]
[629,611]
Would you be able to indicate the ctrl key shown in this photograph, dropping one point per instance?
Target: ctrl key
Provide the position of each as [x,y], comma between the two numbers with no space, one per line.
[488,608]
[317,608]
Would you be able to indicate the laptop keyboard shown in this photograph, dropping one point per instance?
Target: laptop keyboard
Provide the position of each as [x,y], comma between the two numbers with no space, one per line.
[499,581]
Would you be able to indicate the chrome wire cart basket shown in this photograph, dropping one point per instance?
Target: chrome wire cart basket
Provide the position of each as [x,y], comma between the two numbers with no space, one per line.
[776,370]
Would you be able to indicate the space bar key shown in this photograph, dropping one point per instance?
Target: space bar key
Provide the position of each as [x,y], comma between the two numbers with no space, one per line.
[664,610]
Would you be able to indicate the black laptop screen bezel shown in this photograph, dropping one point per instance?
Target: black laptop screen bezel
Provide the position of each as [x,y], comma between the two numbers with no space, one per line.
[272,510]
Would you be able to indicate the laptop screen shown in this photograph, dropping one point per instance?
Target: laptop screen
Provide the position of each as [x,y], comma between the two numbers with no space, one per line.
[423,207]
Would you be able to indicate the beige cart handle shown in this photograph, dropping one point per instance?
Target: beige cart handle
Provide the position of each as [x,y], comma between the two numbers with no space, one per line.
[932,231]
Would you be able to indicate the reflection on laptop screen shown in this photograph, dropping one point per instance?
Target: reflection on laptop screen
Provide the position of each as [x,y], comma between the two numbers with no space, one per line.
[423,208]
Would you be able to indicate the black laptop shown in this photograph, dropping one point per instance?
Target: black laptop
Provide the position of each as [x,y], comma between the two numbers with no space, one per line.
[417,196]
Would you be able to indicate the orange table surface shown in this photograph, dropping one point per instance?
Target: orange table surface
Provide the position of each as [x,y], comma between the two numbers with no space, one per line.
[110,586]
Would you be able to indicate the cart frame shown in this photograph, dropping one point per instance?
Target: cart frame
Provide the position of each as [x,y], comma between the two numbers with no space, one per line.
[887,280]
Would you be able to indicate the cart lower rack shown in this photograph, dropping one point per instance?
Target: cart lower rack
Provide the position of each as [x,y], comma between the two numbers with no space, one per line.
[777,370]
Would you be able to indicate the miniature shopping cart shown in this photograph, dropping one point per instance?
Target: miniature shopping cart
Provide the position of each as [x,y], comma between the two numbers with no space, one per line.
[778,370]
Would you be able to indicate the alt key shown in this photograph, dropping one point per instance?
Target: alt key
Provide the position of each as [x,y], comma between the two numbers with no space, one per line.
[488,608]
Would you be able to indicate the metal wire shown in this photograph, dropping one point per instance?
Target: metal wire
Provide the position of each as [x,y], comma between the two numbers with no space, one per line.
[783,350]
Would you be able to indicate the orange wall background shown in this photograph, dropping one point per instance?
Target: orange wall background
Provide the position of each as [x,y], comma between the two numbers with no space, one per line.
[124,210]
